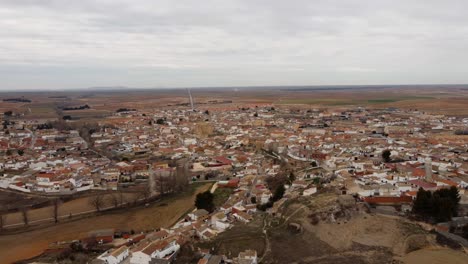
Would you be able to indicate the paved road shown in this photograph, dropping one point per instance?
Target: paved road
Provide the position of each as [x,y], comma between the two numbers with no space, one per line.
[214,187]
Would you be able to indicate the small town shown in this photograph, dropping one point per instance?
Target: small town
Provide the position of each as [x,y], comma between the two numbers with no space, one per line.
[257,157]
[233,132]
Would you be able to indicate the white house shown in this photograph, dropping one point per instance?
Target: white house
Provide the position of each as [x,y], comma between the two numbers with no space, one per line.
[161,249]
[265,197]
[243,217]
[248,257]
[190,141]
[204,232]
[194,216]
[219,221]
[38,165]
[309,191]
[116,256]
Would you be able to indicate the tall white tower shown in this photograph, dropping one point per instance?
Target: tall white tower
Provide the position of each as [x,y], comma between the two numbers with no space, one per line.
[428,167]
[191,100]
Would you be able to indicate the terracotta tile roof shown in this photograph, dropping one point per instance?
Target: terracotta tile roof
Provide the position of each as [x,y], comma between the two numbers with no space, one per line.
[223,160]
[423,184]
[418,172]
[155,246]
[411,193]
[388,199]
[448,182]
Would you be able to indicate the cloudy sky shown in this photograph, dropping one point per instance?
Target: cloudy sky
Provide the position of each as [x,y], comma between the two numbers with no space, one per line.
[60,44]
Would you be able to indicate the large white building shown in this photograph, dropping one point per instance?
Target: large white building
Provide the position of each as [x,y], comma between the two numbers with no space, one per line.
[116,256]
[164,249]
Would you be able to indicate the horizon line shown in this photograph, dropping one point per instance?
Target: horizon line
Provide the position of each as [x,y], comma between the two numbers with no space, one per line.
[327,86]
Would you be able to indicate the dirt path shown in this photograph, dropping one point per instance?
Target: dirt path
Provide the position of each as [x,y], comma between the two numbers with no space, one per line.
[292,214]
[160,214]
[267,241]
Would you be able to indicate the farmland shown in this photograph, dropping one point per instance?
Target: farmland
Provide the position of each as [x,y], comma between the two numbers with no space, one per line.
[439,100]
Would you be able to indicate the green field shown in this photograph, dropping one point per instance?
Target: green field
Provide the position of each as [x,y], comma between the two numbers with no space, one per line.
[221,195]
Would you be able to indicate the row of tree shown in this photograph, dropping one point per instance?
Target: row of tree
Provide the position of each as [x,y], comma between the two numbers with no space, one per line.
[17,100]
[81,107]
[176,181]
[24,210]
[120,110]
[98,202]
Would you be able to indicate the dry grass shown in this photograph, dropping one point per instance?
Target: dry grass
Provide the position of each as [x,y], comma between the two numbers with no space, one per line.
[363,238]
[239,238]
[436,256]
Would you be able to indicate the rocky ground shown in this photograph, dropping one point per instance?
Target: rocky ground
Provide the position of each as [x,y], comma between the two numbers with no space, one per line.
[327,228]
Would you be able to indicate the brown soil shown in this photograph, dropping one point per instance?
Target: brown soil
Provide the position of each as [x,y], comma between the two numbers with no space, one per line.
[436,256]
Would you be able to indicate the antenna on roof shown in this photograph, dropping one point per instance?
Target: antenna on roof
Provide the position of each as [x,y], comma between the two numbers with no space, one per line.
[191,99]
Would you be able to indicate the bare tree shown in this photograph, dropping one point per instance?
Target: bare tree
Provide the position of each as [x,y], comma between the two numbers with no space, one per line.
[146,193]
[166,183]
[56,204]
[181,177]
[135,198]
[24,213]
[114,199]
[162,187]
[121,197]
[172,182]
[97,202]
[3,216]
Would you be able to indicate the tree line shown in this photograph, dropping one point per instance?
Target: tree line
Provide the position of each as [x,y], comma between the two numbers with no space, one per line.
[82,107]
[17,100]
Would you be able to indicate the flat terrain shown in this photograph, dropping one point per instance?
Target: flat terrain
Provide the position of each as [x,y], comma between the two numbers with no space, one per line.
[447,102]
[442,99]
[160,214]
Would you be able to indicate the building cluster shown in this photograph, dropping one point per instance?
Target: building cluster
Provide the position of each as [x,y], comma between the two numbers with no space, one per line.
[163,245]
[46,160]
[239,148]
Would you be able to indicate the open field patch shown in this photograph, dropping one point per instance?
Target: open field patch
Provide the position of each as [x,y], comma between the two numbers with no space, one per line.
[221,195]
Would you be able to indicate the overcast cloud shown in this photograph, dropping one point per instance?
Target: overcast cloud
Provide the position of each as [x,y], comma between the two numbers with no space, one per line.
[59,44]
